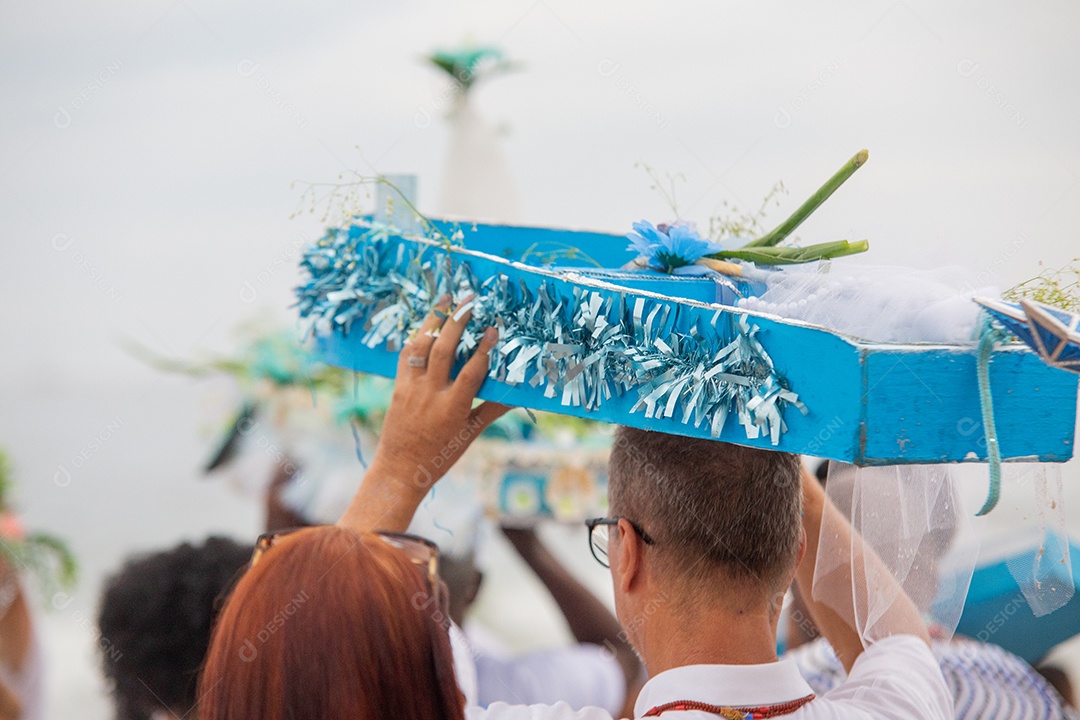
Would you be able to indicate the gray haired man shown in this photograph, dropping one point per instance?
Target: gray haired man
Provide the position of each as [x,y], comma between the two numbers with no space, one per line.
[704,538]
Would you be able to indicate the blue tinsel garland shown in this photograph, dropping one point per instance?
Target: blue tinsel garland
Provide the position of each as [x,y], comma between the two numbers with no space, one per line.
[583,348]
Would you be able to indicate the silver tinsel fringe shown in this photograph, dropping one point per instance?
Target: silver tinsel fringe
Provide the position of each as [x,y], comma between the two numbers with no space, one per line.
[581,349]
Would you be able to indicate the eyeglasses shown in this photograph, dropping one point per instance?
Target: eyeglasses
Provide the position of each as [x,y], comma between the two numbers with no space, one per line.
[599,534]
[421,552]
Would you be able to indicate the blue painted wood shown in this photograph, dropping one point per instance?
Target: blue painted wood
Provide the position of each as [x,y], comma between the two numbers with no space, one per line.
[541,246]
[726,291]
[592,253]
[869,404]
[922,405]
[818,431]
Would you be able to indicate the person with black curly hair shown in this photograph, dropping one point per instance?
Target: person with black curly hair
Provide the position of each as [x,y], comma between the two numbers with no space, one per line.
[156,614]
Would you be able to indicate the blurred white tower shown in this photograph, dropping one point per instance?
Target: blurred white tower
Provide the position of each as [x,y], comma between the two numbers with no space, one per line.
[476,181]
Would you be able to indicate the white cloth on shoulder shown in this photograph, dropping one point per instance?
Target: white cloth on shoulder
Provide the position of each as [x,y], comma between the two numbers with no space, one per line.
[986,681]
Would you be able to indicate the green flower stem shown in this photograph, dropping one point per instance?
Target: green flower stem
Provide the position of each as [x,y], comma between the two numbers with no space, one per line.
[788,226]
[793,255]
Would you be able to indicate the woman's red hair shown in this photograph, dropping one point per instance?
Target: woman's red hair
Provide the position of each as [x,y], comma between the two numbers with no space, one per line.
[330,625]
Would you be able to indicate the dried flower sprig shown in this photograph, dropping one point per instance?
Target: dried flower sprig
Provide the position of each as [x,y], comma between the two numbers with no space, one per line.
[1058,287]
[343,201]
[733,223]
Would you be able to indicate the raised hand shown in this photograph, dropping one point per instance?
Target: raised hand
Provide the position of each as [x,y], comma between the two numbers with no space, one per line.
[431,421]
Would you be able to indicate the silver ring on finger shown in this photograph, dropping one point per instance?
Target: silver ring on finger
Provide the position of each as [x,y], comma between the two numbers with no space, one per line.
[416,361]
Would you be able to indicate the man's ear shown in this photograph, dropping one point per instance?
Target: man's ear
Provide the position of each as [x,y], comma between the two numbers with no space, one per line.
[802,548]
[630,555]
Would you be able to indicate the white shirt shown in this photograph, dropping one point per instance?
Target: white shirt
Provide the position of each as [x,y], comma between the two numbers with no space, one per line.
[984,680]
[581,675]
[464,666]
[894,679]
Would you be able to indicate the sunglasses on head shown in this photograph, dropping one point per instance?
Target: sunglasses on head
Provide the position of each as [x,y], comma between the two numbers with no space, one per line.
[422,553]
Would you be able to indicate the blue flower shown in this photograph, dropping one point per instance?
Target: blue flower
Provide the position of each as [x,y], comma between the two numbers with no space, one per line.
[645,238]
[668,248]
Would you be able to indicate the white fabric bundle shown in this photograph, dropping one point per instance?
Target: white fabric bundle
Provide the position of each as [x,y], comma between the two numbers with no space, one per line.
[879,304]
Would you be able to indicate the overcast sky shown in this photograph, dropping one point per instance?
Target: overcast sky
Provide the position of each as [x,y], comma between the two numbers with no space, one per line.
[148,149]
[155,143]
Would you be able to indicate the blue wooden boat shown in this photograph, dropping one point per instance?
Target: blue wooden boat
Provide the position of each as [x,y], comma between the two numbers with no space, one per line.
[674,354]
[1051,332]
[997,611]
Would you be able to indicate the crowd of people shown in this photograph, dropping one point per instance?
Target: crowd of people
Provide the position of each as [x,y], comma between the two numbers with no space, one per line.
[703,541]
